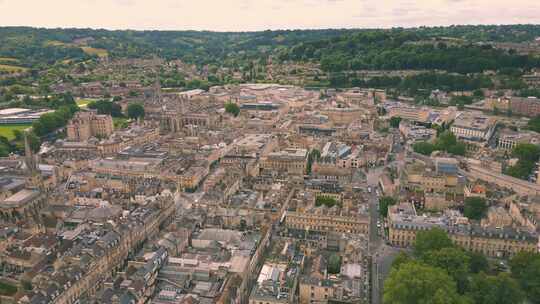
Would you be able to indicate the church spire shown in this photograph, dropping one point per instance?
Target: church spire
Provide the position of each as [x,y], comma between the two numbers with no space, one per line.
[33,180]
[29,155]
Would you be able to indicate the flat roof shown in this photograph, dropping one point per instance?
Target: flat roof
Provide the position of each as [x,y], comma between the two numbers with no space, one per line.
[20,198]
[12,111]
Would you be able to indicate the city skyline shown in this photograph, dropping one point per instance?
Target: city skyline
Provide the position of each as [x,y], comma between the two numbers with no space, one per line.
[249,15]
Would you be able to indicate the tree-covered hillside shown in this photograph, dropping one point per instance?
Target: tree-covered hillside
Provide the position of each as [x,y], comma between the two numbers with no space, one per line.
[405,49]
[449,48]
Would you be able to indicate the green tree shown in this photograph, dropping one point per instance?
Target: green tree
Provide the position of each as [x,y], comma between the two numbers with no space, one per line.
[4,150]
[401,258]
[394,121]
[458,149]
[334,264]
[475,208]
[429,240]
[49,122]
[135,110]
[39,128]
[525,268]
[478,262]
[424,147]
[452,259]
[384,203]
[445,140]
[414,283]
[526,152]
[106,107]
[520,170]
[34,141]
[527,155]
[26,285]
[534,124]
[500,289]
[232,108]
[313,156]
[326,201]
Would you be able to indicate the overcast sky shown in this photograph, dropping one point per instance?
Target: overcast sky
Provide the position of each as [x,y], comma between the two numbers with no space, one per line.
[250,15]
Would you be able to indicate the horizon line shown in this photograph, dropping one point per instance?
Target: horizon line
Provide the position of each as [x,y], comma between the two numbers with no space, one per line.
[265,30]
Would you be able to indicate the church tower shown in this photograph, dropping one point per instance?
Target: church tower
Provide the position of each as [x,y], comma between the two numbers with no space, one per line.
[33,176]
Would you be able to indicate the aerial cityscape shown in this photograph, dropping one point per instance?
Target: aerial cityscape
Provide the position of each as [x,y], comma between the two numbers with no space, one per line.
[314,158]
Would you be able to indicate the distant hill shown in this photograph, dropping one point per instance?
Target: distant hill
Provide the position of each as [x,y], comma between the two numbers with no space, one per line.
[335,49]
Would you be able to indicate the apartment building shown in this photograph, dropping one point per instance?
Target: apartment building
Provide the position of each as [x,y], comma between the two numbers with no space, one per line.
[344,217]
[288,161]
[410,113]
[318,286]
[526,106]
[420,176]
[404,224]
[345,116]
[69,284]
[532,79]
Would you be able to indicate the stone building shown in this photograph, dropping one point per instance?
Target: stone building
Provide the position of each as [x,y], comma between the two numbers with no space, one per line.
[344,217]
[473,127]
[404,224]
[89,124]
[288,161]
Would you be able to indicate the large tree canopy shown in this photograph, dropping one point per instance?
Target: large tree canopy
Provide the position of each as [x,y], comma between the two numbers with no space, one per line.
[525,268]
[475,208]
[415,283]
[430,240]
[135,110]
[453,260]
[500,289]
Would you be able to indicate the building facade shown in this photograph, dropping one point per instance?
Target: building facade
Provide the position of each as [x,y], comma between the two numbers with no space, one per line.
[89,124]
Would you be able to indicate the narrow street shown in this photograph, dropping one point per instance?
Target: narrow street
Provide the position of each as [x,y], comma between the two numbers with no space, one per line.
[382,254]
[375,240]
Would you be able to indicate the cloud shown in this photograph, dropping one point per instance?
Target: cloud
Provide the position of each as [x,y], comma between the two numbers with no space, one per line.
[124,2]
[241,15]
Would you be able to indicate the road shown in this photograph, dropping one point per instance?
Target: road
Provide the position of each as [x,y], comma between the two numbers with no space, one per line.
[382,254]
[375,239]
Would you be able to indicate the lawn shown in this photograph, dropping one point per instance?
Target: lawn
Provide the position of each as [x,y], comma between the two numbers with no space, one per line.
[7,130]
[7,289]
[87,49]
[55,43]
[83,102]
[93,51]
[6,59]
[12,68]
[120,122]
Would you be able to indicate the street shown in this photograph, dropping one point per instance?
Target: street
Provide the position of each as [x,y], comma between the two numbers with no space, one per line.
[382,254]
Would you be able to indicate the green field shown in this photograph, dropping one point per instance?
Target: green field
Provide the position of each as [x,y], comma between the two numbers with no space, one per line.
[12,68]
[6,59]
[87,49]
[83,102]
[93,51]
[7,130]
[54,43]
